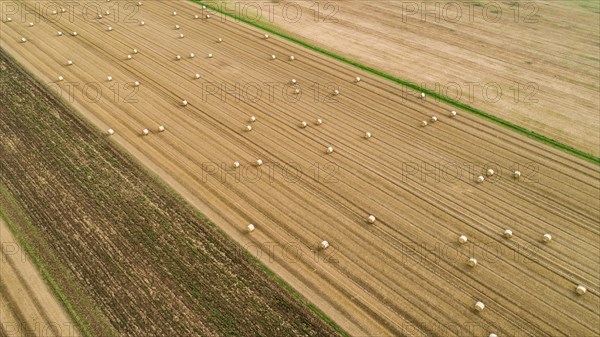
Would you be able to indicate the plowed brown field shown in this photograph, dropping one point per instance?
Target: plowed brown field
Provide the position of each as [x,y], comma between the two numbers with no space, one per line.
[405,274]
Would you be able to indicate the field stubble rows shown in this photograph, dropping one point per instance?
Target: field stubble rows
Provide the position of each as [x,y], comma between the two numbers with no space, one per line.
[376,284]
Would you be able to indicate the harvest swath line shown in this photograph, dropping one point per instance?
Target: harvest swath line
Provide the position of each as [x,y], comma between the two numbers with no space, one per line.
[520,129]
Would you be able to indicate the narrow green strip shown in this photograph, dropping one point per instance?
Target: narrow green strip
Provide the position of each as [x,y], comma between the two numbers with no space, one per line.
[453,102]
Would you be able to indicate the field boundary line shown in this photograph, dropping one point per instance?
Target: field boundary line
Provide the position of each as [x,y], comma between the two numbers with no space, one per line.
[478,112]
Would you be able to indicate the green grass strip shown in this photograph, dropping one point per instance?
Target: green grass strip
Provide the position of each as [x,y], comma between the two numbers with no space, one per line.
[522,130]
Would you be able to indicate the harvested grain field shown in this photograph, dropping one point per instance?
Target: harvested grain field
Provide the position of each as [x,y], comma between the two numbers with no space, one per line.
[535,63]
[405,274]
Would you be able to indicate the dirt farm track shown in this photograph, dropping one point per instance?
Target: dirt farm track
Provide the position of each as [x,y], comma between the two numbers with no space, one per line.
[406,274]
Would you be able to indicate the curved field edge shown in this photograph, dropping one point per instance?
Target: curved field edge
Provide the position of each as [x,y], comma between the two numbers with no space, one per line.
[48,263]
[458,104]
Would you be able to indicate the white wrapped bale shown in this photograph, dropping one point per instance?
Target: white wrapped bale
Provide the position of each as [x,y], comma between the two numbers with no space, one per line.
[452,113]
[192,55]
[517,174]
[357,79]
[248,128]
[219,40]
[135,51]
[336,92]
[508,234]
[59,33]
[236,164]
[139,3]
[371,219]
[303,124]
[110,28]
[252,119]
[136,84]
[273,57]
[251,228]
[462,239]
[292,57]
[293,81]
[472,262]
[177,27]
[109,78]
[60,78]
[111,132]
[329,149]
[31,24]
[197,76]
[424,123]
[181,36]
[423,95]
[161,128]
[433,119]
[174,13]
[480,179]
[142,23]
[266,36]
[178,57]
[210,56]
[69,62]
[489,172]
[324,244]
[74,33]
[547,238]
[184,102]
[581,290]
[146,132]
[259,162]
[479,306]
[23,40]
[319,121]
[368,135]
[129,57]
